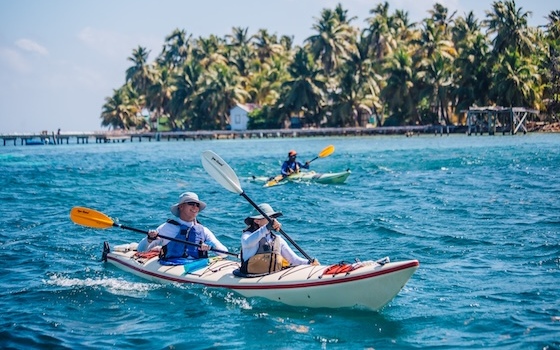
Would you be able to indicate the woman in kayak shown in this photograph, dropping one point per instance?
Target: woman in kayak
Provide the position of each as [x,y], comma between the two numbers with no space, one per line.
[186,227]
[261,250]
[292,166]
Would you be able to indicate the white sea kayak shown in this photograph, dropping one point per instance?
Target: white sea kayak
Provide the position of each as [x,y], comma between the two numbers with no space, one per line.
[369,284]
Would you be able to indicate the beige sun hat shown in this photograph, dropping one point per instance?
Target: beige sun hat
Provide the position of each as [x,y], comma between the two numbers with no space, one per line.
[267,209]
[187,197]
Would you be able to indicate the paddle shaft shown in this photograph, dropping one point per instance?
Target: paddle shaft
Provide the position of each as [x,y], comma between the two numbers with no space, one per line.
[310,259]
[173,239]
[225,176]
[313,159]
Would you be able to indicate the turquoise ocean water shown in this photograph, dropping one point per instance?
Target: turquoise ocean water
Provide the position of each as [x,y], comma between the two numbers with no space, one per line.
[480,213]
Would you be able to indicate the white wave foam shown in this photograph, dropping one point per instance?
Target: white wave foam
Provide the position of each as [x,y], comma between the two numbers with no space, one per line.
[116,286]
[238,301]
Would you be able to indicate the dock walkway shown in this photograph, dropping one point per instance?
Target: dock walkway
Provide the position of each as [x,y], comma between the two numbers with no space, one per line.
[115,137]
[112,137]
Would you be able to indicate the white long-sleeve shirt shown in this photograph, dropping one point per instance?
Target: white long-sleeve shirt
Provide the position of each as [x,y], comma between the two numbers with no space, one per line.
[250,245]
[170,230]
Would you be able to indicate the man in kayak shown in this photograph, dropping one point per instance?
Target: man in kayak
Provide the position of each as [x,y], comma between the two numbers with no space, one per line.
[292,166]
[261,250]
[186,227]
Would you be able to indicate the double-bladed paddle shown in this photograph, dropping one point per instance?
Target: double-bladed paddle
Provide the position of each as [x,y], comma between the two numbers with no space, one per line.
[327,151]
[93,218]
[225,176]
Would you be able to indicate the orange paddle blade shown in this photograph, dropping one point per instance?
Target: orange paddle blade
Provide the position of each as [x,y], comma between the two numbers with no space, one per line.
[90,217]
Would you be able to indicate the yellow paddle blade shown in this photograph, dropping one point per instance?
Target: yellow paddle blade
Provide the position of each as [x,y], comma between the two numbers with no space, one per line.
[274,181]
[89,217]
[327,151]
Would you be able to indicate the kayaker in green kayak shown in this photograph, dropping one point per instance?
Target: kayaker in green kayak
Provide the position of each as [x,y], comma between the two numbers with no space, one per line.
[292,166]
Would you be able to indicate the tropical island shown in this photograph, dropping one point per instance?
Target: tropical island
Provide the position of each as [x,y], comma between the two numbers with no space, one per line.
[388,73]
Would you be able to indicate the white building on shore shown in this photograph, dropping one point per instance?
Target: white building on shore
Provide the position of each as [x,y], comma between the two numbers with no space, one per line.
[238,115]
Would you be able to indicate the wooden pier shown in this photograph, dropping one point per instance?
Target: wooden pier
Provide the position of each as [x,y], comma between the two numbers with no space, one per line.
[494,119]
[112,137]
[476,123]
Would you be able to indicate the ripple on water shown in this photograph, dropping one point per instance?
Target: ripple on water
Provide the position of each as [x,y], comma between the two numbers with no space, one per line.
[480,214]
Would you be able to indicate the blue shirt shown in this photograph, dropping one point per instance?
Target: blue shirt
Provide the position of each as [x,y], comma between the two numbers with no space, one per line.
[294,166]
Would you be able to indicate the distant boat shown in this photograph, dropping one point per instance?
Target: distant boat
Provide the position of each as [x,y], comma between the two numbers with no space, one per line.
[36,141]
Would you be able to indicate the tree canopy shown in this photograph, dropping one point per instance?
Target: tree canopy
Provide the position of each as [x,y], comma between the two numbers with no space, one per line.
[391,71]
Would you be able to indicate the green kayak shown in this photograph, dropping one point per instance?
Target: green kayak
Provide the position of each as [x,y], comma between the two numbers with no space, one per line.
[307,176]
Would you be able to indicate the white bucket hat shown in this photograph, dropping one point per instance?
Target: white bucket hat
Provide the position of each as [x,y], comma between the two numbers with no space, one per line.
[267,209]
[187,197]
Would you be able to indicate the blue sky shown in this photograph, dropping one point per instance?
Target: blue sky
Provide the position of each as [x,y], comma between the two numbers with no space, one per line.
[60,59]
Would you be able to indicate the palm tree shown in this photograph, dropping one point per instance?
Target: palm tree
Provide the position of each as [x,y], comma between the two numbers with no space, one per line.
[160,93]
[551,67]
[303,92]
[239,37]
[266,45]
[434,54]
[287,42]
[436,83]
[240,53]
[241,58]
[472,72]
[187,87]
[222,92]
[207,51]
[260,89]
[553,26]
[334,39]
[509,25]
[402,27]
[434,41]
[122,109]
[139,74]
[399,93]
[176,49]
[516,81]
[378,33]
[440,17]
[358,91]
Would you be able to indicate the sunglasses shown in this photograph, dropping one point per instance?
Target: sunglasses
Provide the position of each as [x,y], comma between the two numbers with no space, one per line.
[193,203]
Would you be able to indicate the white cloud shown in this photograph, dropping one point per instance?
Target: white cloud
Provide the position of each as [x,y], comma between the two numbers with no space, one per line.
[14,60]
[32,46]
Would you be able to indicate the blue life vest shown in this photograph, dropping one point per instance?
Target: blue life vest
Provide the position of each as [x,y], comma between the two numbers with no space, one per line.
[193,234]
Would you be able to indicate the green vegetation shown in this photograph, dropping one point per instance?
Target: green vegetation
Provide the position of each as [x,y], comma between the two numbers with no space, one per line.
[392,71]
